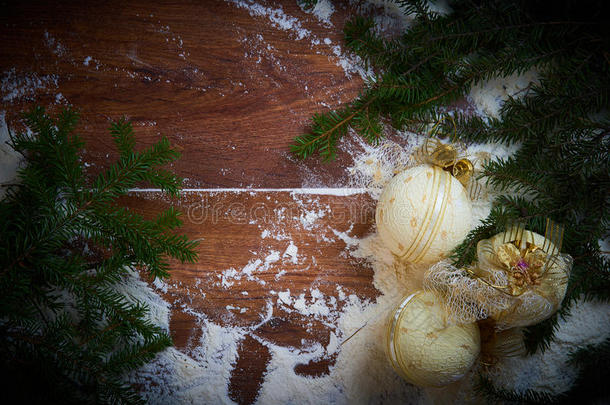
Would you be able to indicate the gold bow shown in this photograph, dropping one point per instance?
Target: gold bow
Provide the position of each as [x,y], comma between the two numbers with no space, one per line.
[445,156]
[519,257]
[520,279]
[528,269]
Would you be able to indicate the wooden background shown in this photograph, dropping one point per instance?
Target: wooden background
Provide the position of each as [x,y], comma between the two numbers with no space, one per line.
[231,91]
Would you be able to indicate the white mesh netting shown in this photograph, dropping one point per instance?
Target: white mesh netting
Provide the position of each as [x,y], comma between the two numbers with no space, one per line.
[467,299]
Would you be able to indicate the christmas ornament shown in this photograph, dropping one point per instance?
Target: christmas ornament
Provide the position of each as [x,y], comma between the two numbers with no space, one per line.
[532,272]
[425,211]
[424,348]
[519,280]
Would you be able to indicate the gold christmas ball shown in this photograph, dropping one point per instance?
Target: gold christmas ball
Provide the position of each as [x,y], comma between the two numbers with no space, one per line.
[424,348]
[423,213]
[536,280]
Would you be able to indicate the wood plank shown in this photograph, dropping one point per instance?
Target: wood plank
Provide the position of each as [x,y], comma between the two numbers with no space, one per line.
[247,376]
[245,262]
[229,89]
[239,230]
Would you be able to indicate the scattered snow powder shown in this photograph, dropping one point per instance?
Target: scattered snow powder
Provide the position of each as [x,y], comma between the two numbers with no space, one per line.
[278,18]
[489,96]
[23,86]
[291,252]
[351,64]
[323,10]
[10,160]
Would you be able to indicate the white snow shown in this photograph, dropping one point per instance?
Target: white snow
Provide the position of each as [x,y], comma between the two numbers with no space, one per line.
[24,85]
[10,160]
[278,18]
[292,252]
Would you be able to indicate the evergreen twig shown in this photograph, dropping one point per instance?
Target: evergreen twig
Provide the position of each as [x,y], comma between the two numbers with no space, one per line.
[560,122]
[67,335]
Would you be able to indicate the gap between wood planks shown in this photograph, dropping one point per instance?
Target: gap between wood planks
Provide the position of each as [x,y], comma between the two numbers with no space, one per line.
[316,191]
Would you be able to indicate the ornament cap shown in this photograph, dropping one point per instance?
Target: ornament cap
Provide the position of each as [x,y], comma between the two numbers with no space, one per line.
[445,156]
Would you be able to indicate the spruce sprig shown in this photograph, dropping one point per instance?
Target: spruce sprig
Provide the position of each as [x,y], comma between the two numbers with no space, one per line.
[68,335]
[440,58]
[560,122]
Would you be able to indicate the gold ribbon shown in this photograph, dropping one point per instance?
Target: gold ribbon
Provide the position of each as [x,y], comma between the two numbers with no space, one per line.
[518,256]
[535,272]
[445,156]
[435,212]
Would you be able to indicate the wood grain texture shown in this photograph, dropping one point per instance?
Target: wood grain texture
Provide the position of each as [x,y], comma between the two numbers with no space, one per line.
[240,230]
[247,376]
[231,91]
[245,261]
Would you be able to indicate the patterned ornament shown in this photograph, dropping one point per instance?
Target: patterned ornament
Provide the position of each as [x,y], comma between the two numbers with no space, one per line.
[520,279]
[425,211]
[424,348]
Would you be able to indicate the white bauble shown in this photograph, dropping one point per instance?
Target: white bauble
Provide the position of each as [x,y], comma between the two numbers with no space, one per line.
[423,213]
[538,301]
[424,348]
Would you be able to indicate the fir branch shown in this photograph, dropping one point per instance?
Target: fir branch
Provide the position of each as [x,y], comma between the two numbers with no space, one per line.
[486,388]
[592,382]
[559,122]
[326,130]
[465,253]
[123,136]
[540,336]
[62,317]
